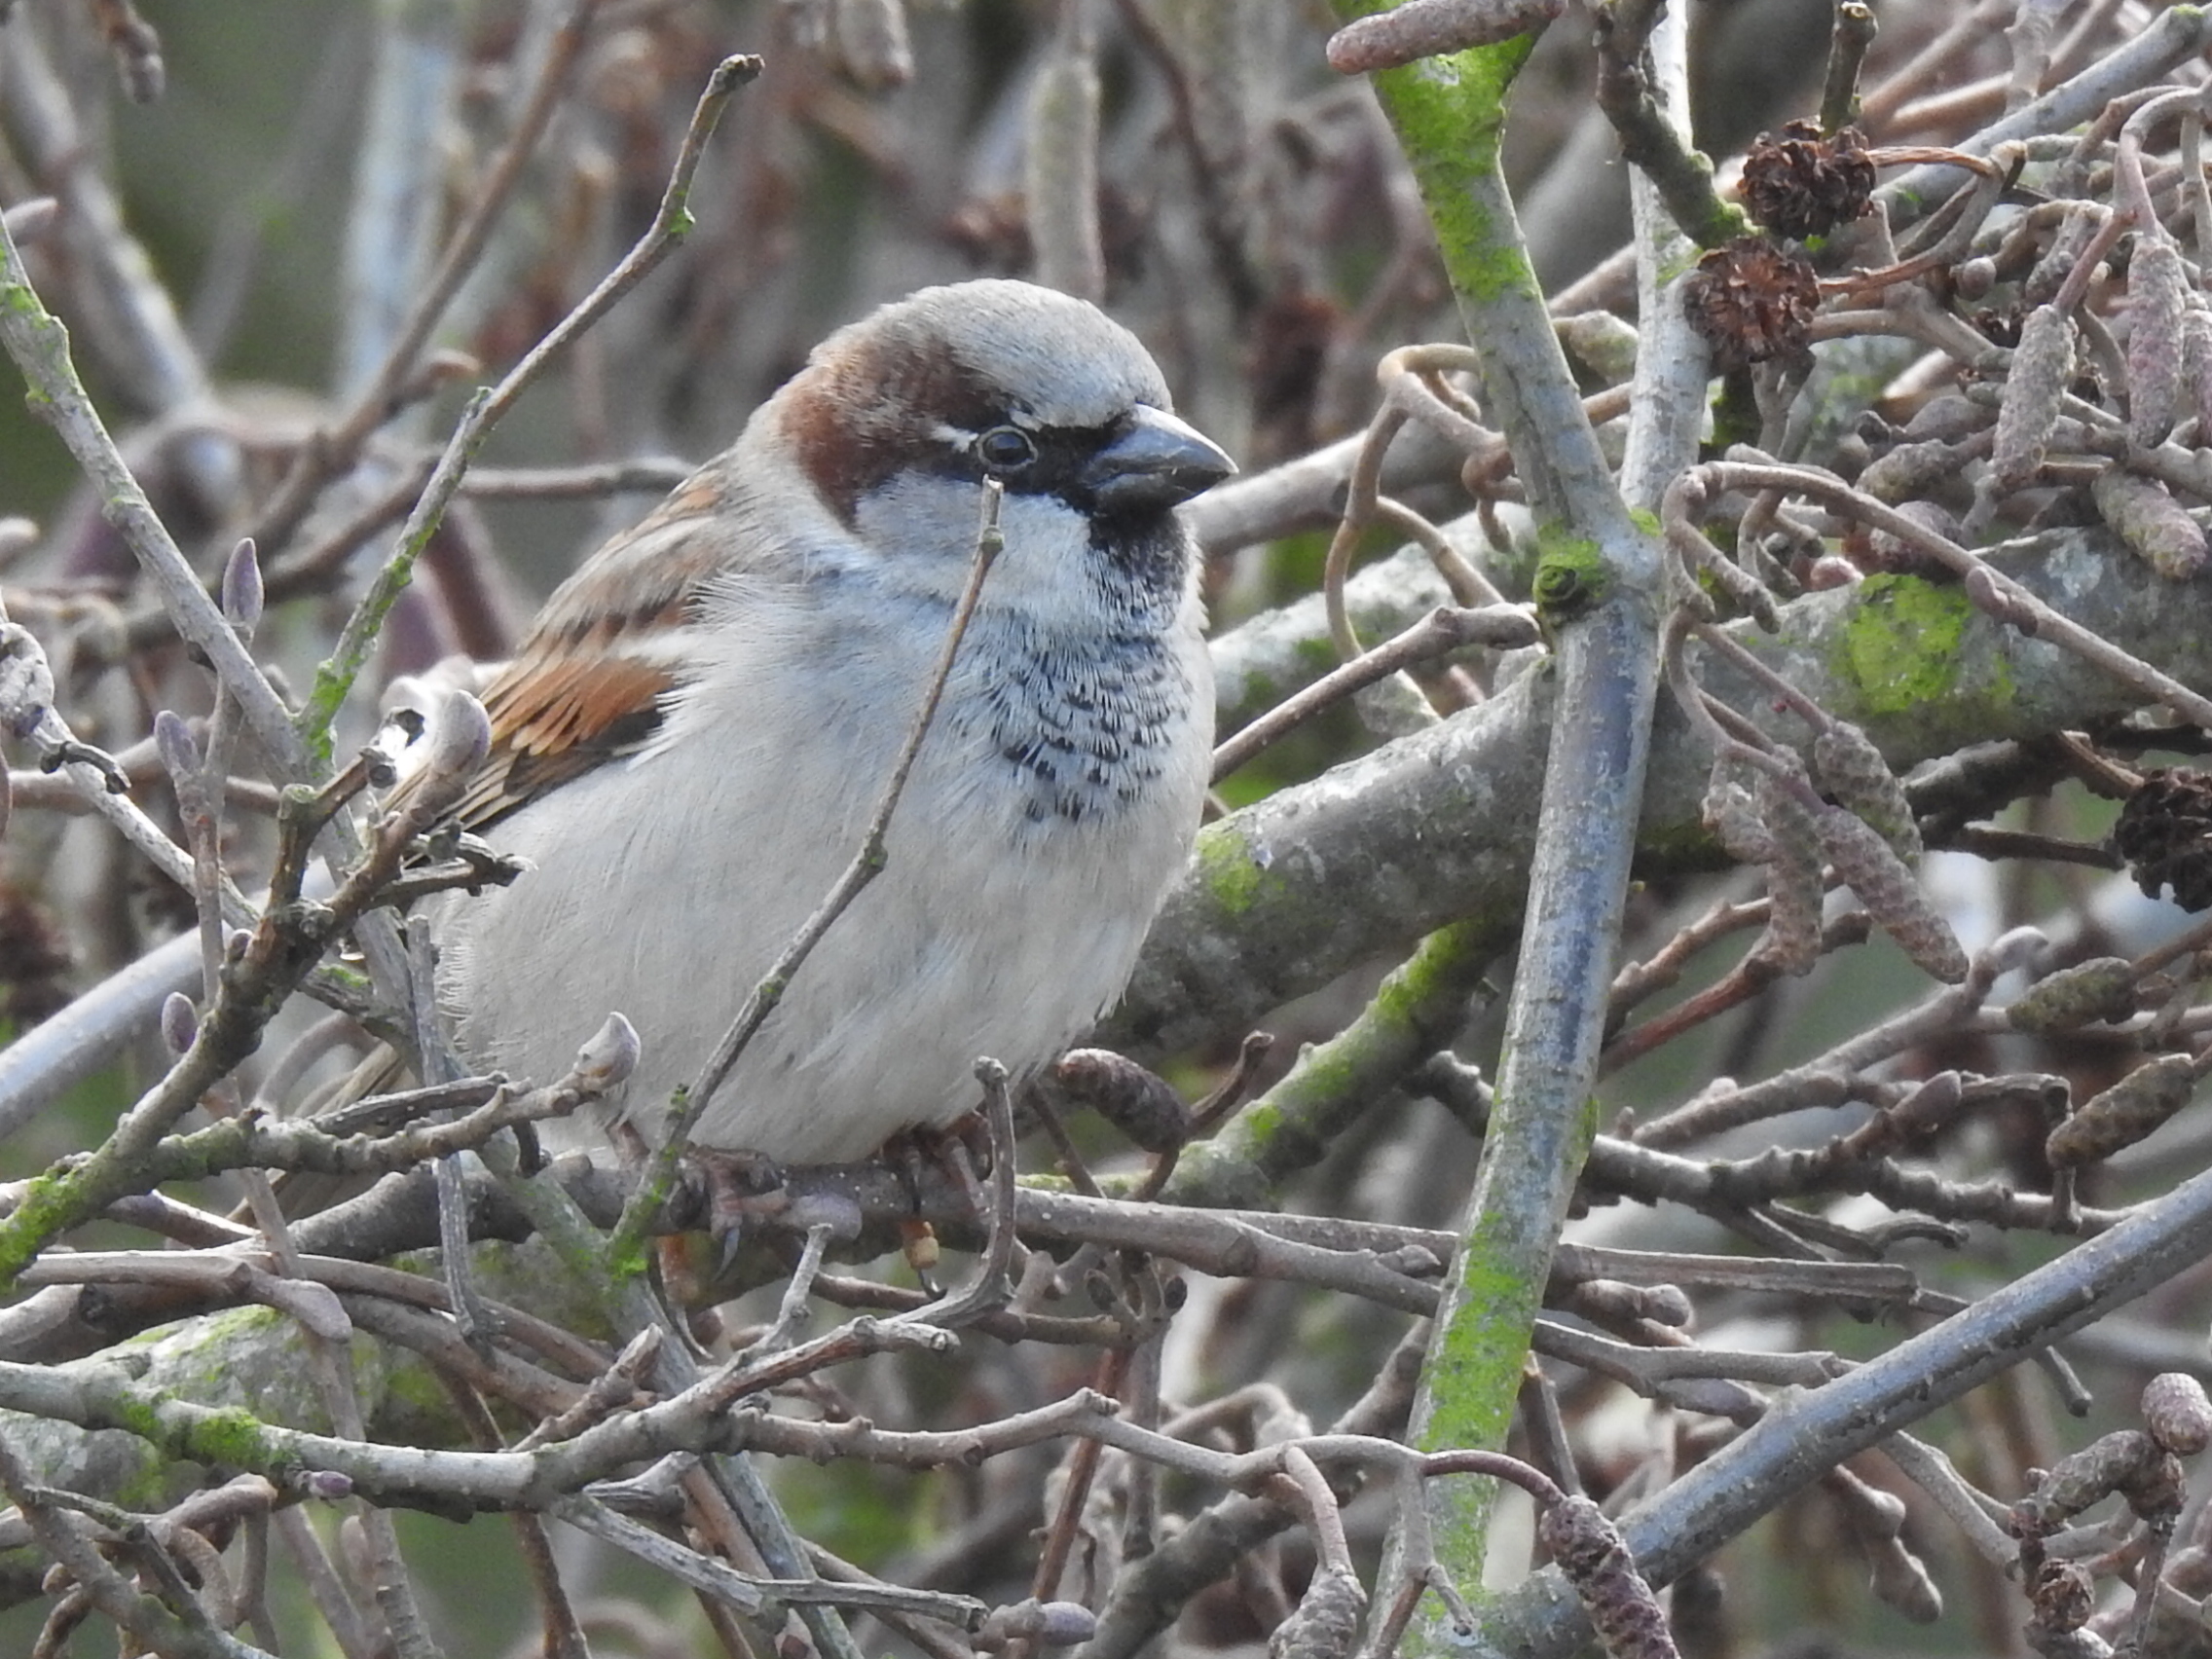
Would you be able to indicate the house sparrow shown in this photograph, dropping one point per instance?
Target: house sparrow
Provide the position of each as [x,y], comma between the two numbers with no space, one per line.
[699,725]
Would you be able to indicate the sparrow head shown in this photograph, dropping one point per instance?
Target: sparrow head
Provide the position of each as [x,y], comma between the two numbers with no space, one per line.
[995,379]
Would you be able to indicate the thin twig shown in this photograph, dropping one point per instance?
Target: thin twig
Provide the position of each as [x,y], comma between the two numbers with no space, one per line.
[334,679]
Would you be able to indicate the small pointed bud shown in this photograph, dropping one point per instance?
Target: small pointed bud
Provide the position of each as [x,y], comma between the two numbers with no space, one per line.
[2013,948]
[17,536]
[461,738]
[1048,1624]
[1930,1107]
[872,42]
[180,1023]
[241,588]
[1064,1624]
[608,1058]
[30,220]
[174,743]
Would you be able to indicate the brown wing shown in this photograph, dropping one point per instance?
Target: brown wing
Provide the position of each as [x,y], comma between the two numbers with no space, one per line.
[587,683]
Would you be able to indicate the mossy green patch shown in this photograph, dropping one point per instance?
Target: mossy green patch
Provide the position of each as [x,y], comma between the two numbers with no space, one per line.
[47,1206]
[1901,642]
[233,1439]
[1571,574]
[1476,1356]
[1450,113]
[1232,871]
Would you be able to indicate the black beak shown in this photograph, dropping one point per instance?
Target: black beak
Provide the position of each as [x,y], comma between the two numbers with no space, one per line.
[1154,462]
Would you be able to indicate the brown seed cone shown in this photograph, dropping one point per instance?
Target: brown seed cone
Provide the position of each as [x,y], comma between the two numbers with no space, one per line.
[1751,300]
[2164,834]
[2063,1595]
[1802,185]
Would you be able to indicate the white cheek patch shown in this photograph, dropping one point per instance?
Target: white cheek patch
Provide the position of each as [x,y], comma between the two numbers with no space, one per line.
[927,527]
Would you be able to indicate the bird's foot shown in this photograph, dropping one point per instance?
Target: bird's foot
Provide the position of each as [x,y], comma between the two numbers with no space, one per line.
[739,1189]
[956,1152]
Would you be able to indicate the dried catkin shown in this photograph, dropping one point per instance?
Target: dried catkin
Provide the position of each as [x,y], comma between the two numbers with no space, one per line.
[1852,769]
[2143,513]
[2158,300]
[2101,988]
[1892,894]
[2041,363]
[2124,1114]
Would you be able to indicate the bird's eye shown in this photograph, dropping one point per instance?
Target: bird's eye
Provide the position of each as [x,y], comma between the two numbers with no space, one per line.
[1004,449]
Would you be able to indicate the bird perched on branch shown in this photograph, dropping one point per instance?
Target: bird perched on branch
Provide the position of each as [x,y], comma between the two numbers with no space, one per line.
[697,729]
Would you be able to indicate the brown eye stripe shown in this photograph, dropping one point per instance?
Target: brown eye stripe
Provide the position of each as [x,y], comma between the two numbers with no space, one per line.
[854,419]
